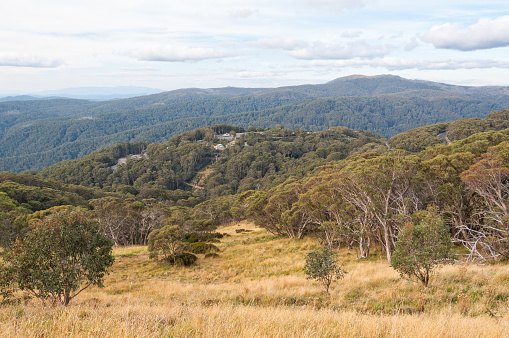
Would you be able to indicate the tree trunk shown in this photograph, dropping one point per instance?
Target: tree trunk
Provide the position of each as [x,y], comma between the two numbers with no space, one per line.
[67,297]
[364,246]
[387,243]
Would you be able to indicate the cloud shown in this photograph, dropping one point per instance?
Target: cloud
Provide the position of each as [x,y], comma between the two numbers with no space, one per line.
[242,13]
[170,53]
[141,69]
[485,34]
[255,75]
[325,51]
[337,6]
[282,44]
[351,34]
[356,49]
[394,64]
[10,59]
[412,44]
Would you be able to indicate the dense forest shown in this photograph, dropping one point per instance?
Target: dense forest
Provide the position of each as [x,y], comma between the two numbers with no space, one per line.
[343,187]
[255,160]
[130,182]
[37,133]
[366,199]
[418,139]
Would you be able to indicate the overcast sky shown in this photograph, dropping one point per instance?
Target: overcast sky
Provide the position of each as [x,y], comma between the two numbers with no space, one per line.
[169,44]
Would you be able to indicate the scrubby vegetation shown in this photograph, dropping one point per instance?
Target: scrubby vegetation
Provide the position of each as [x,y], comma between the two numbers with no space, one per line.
[323,266]
[257,287]
[418,139]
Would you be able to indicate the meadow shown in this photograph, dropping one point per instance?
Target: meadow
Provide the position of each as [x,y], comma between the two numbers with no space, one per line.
[257,288]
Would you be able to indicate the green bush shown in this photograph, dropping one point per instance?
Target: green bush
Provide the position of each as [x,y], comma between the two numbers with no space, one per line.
[195,237]
[202,248]
[166,241]
[323,266]
[211,255]
[184,259]
[423,247]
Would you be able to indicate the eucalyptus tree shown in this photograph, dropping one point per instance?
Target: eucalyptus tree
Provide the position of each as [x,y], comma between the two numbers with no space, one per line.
[423,247]
[488,177]
[381,187]
[61,256]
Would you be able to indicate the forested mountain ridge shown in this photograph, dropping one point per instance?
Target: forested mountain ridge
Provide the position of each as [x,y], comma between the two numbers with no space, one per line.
[35,134]
[256,159]
[387,114]
[129,182]
[418,139]
[342,186]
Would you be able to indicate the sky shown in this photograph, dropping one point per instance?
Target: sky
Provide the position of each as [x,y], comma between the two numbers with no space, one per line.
[167,44]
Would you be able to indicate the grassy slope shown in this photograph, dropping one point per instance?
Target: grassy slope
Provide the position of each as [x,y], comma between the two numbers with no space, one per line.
[257,288]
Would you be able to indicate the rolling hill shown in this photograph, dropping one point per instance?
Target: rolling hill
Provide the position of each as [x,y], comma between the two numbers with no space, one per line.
[37,133]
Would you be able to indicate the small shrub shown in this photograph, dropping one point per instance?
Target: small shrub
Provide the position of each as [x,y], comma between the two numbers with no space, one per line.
[166,241]
[422,248]
[323,266]
[202,248]
[184,259]
[212,255]
[239,231]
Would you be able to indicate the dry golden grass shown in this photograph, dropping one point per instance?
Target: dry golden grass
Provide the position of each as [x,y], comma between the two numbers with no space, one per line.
[257,288]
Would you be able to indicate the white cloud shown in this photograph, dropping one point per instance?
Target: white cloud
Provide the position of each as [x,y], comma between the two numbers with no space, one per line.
[484,34]
[121,36]
[255,75]
[355,49]
[11,59]
[141,69]
[338,6]
[170,53]
[394,64]
[242,13]
[412,44]
[320,50]
[276,43]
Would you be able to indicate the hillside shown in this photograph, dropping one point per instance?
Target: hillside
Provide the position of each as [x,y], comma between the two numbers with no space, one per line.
[37,133]
[24,197]
[272,175]
[142,180]
[418,139]
[256,288]
[257,159]
[273,195]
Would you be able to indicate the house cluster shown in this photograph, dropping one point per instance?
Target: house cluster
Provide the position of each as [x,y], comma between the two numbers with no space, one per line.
[123,160]
[227,137]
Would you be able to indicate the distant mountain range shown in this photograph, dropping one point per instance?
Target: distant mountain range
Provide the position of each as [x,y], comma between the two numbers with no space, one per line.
[86,93]
[37,133]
